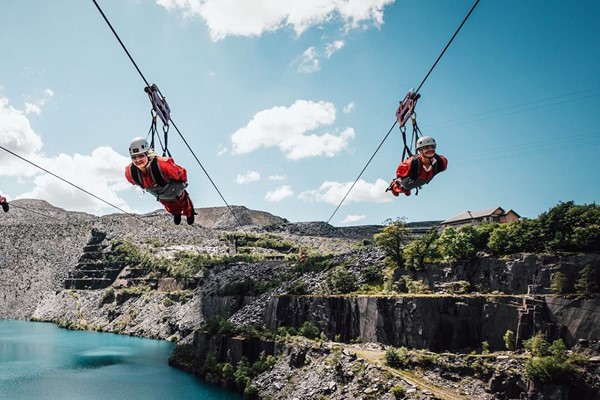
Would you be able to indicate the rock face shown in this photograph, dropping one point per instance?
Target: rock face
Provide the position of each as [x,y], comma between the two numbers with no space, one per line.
[59,266]
[62,266]
[576,320]
[437,323]
[39,244]
[518,274]
[446,323]
[226,348]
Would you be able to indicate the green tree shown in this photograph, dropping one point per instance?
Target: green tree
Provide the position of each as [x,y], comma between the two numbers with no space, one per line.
[587,283]
[499,241]
[398,391]
[558,349]
[420,250]
[342,281]
[484,232]
[559,284]
[509,340]
[550,362]
[587,238]
[538,346]
[309,330]
[415,286]
[243,373]
[571,227]
[392,239]
[227,372]
[217,324]
[517,236]
[458,244]
[372,274]
[397,357]
[547,369]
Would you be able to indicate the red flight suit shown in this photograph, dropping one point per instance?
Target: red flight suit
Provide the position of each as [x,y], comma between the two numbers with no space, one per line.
[425,175]
[170,172]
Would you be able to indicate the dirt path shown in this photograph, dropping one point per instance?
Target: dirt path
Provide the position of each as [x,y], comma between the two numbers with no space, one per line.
[376,357]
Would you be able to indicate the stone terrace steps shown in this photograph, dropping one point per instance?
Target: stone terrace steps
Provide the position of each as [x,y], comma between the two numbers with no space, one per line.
[95,274]
[96,265]
[95,269]
[87,283]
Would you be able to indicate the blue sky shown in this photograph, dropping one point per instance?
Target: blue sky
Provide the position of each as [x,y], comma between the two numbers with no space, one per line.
[284,102]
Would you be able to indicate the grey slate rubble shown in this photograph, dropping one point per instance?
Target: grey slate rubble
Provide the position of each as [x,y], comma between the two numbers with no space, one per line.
[55,268]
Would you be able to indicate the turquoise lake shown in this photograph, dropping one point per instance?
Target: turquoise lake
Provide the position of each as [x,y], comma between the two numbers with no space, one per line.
[43,361]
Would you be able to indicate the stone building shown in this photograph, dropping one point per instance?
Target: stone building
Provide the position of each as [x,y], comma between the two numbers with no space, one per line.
[496,214]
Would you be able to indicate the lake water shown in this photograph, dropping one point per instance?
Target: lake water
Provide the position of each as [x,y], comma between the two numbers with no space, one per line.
[42,361]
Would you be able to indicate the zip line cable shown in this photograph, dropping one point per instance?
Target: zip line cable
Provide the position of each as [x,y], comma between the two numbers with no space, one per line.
[67,222]
[395,122]
[13,205]
[361,172]
[171,120]
[121,43]
[66,181]
[448,45]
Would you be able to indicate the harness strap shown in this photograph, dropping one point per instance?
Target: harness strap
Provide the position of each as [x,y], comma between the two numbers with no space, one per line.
[155,172]
[154,132]
[416,165]
[415,168]
[406,153]
[162,109]
[416,134]
[135,174]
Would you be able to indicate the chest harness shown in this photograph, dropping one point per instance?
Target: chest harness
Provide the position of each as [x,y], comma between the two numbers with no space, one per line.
[164,190]
[412,181]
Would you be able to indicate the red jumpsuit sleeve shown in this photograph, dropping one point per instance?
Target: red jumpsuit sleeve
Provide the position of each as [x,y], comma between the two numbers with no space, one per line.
[128,175]
[444,163]
[170,170]
[404,168]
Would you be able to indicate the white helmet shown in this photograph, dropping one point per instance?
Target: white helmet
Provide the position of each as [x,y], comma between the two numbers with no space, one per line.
[138,145]
[426,141]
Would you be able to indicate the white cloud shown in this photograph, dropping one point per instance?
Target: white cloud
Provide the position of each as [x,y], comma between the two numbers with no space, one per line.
[279,194]
[100,173]
[362,192]
[354,12]
[348,108]
[36,106]
[17,136]
[309,62]
[104,177]
[333,47]
[276,177]
[286,129]
[255,17]
[222,150]
[353,218]
[249,176]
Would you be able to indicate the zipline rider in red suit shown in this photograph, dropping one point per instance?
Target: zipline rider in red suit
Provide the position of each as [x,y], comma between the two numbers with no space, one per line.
[162,178]
[4,203]
[419,169]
